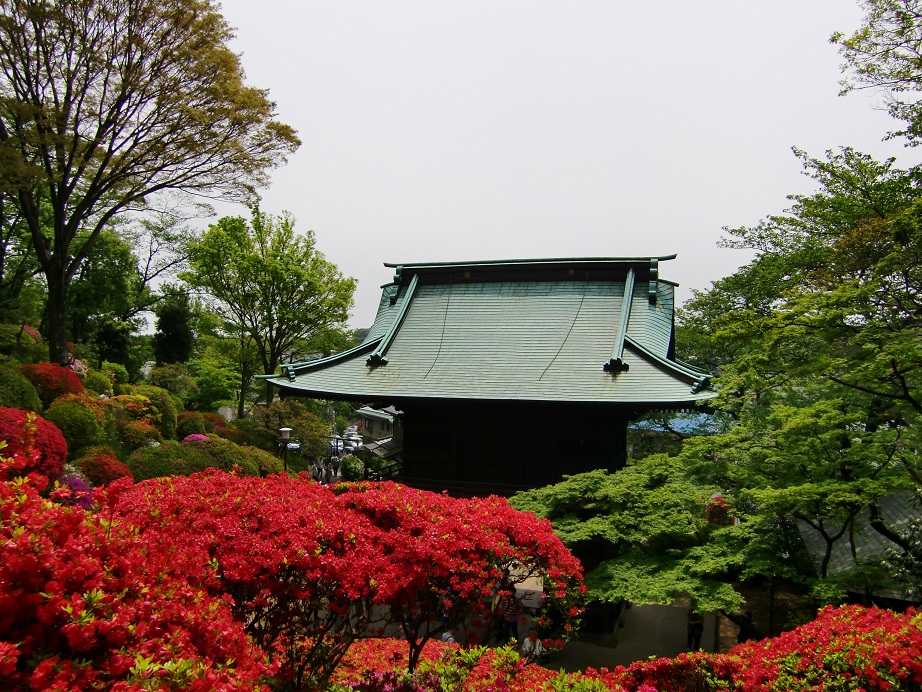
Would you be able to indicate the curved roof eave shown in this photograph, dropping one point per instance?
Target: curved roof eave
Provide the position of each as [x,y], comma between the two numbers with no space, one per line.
[291,370]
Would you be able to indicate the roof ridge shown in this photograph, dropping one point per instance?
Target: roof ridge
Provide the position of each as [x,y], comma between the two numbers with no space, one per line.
[537,260]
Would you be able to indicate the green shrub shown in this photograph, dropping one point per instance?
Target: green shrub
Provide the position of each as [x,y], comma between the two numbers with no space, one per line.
[165,408]
[17,392]
[136,434]
[98,382]
[181,459]
[353,468]
[81,419]
[188,423]
[22,343]
[176,379]
[118,374]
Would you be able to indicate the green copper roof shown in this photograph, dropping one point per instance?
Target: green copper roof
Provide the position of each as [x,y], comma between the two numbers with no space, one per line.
[536,330]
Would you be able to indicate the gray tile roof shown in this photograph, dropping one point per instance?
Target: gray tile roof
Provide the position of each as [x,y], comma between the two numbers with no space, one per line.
[528,330]
[898,510]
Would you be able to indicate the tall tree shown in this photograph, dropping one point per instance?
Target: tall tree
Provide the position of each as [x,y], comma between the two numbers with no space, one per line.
[271,285]
[825,376]
[884,55]
[18,265]
[104,289]
[174,338]
[104,104]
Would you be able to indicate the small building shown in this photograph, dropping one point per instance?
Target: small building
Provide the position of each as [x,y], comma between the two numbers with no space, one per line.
[528,369]
[377,424]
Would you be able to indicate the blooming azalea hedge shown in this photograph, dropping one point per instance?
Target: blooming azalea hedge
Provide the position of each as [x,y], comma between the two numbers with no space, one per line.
[85,605]
[221,582]
[849,648]
[311,570]
[51,381]
[38,445]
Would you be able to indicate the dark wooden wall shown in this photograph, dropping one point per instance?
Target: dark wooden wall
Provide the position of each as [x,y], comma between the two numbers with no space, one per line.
[475,447]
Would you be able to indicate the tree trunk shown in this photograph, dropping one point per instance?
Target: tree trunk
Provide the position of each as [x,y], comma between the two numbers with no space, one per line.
[244,385]
[58,283]
[270,392]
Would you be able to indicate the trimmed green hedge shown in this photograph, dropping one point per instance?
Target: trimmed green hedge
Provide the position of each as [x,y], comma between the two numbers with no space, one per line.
[182,459]
[17,392]
[164,405]
[81,419]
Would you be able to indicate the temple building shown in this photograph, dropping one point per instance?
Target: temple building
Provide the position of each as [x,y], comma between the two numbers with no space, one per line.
[513,373]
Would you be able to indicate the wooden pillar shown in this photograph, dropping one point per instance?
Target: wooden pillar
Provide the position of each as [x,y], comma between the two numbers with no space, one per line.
[620,456]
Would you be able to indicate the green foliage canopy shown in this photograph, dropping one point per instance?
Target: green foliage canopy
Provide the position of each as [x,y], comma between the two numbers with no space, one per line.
[104,106]
[639,533]
[271,285]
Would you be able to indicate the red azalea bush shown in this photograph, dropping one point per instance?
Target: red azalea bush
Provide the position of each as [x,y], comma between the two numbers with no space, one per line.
[298,568]
[863,648]
[849,648]
[101,467]
[51,381]
[310,570]
[446,555]
[214,422]
[379,665]
[86,605]
[39,444]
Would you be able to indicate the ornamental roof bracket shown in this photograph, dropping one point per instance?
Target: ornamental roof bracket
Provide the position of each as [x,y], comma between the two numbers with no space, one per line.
[704,383]
[654,281]
[378,356]
[616,364]
[395,291]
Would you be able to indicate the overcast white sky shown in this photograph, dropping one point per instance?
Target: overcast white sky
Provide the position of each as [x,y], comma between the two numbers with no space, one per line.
[489,129]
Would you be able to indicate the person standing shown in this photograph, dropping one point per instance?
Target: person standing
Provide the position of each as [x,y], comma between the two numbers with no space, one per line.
[695,629]
[318,469]
[337,465]
[511,608]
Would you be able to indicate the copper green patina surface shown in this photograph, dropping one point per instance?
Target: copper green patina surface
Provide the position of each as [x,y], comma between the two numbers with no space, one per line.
[518,330]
